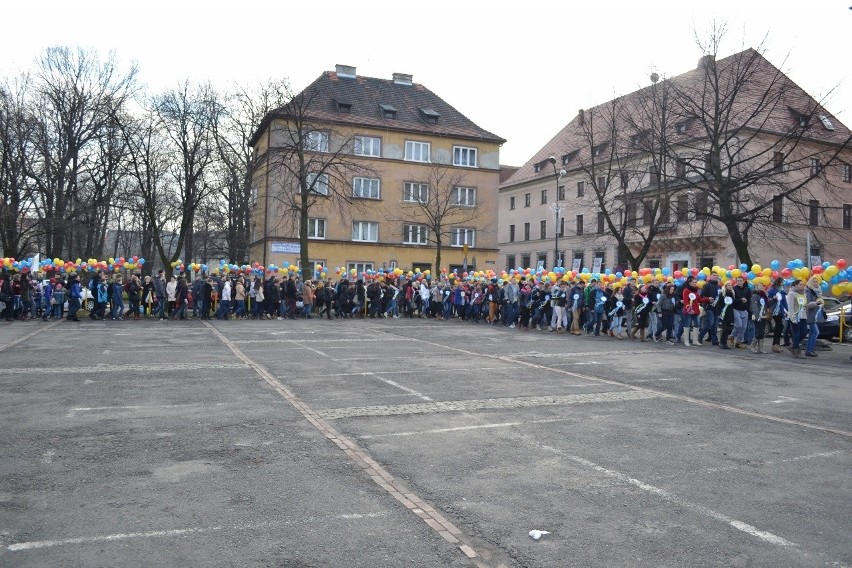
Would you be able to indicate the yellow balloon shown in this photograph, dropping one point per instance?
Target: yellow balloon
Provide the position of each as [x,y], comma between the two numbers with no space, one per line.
[736,272]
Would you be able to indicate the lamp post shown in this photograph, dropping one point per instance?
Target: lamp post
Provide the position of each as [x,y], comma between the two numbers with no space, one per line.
[556,208]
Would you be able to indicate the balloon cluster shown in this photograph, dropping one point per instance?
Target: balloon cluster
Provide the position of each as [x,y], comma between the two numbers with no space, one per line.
[72,266]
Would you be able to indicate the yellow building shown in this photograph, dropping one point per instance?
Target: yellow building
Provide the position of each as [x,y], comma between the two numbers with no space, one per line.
[390,170]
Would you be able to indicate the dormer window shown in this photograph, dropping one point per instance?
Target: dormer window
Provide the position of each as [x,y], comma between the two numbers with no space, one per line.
[343,106]
[596,151]
[568,157]
[388,111]
[826,122]
[429,115]
[802,119]
[681,127]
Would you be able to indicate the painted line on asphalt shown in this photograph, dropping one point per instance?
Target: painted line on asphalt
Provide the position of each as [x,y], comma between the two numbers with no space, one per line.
[29,335]
[74,411]
[117,537]
[465,428]
[378,474]
[662,394]
[775,462]
[671,498]
[298,344]
[177,366]
[413,392]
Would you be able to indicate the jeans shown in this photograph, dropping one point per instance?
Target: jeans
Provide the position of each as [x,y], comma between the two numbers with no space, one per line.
[798,329]
[615,324]
[667,325]
[224,309]
[710,325]
[73,307]
[556,319]
[686,320]
[740,325]
[512,313]
[749,333]
[241,308]
[117,308]
[813,334]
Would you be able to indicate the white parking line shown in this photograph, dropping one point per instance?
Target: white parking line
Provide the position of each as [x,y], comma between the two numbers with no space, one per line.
[32,545]
[73,412]
[666,496]
[419,395]
[464,428]
[774,462]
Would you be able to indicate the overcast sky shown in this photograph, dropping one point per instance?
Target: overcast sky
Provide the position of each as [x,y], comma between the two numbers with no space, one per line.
[520,69]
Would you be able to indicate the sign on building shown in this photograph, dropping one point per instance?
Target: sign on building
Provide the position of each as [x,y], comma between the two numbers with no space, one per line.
[291,248]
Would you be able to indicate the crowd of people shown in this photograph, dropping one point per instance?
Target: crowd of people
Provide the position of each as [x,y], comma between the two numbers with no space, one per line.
[730,315]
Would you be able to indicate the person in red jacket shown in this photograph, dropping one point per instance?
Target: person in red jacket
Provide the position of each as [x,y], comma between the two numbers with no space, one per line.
[692,301]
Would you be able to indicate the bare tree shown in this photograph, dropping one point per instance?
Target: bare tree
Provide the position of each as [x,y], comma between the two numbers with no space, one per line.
[186,115]
[312,163]
[749,137]
[18,199]
[433,208]
[77,93]
[233,127]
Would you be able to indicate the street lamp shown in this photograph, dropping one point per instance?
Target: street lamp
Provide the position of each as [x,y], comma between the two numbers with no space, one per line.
[556,208]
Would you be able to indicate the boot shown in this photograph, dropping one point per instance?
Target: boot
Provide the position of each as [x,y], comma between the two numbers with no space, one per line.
[754,347]
[797,353]
[686,338]
[760,347]
[693,342]
[642,334]
[776,349]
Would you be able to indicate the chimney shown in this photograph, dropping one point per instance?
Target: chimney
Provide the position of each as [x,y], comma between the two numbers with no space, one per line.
[706,61]
[581,116]
[402,79]
[345,71]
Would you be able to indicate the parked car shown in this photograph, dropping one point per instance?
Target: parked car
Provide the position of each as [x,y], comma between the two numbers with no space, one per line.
[830,329]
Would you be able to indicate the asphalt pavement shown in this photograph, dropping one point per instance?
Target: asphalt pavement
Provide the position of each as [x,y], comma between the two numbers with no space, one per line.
[387,443]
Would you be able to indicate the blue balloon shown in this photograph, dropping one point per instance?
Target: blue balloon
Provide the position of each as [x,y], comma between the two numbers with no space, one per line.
[607,271]
[667,271]
[791,264]
[774,264]
[826,264]
[744,267]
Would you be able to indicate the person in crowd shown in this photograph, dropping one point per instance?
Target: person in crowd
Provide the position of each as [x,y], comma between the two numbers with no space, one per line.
[759,315]
[725,305]
[777,308]
[742,305]
[797,315]
[171,294]
[709,294]
[814,313]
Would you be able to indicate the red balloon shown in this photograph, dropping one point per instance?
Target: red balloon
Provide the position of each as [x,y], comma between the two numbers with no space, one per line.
[786,273]
[731,267]
[817,269]
[678,274]
[841,263]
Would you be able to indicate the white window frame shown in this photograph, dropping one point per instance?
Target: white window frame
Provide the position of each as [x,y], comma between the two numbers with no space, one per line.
[464,156]
[314,226]
[358,184]
[414,151]
[367,146]
[408,189]
[415,235]
[316,141]
[318,181]
[462,236]
[360,267]
[365,231]
[464,196]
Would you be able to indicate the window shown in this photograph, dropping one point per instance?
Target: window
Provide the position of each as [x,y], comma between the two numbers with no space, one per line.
[601,182]
[366,188]
[654,173]
[777,209]
[647,213]
[511,234]
[316,141]
[813,213]
[826,122]
[542,259]
[600,261]
[416,192]
[601,223]
[581,188]
[656,263]
[579,225]
[464,196]
[816,167]
[430,116]
[316,228]
[847,173]
[366,231]
[527,199]
[631,215]
[254,197]
[526,231]
[417,151]
[464,156]
[847,216]
[560,193]
[388,111]
[317,183]
[778,162]
[682,208]
[543,229]
[680,169]
[463,237]
[701,205]
[537,167]
[359,267]
[681,127]
[368,146]
[706,261]
[525,261]
[562,226]
[510,262]
[624,178]
[665,211]
[415,234]
[579,258]
[512,203]
[544,197]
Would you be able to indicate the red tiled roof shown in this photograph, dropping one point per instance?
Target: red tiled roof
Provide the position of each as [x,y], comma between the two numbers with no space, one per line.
[365,94]
[778,118]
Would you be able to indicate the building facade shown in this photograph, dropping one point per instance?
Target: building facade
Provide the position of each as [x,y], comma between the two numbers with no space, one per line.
[391,170]
[672,176]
